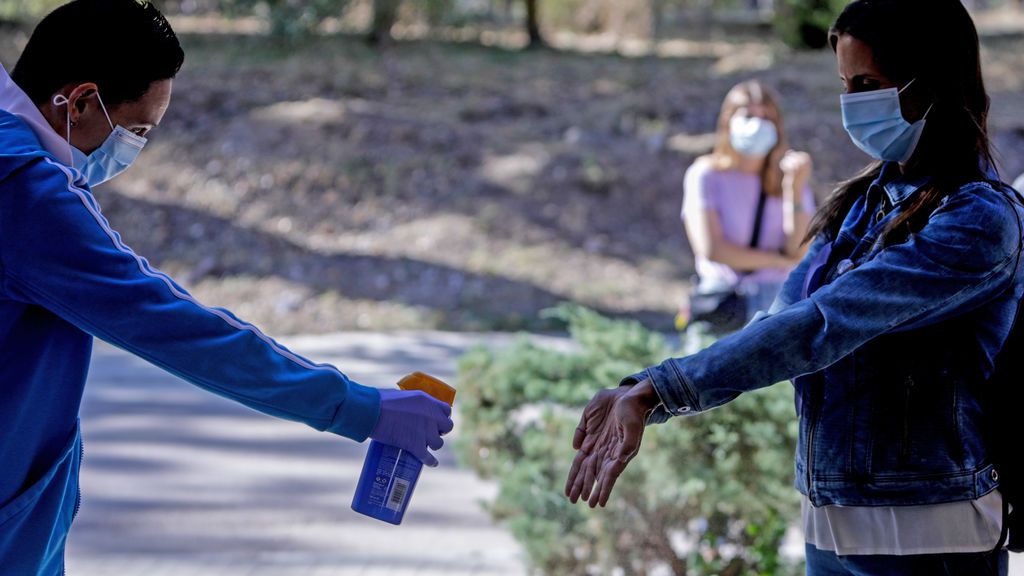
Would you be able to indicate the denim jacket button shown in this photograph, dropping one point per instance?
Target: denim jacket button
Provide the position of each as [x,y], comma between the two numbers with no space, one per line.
[995,475]
[682,410]
[844,266]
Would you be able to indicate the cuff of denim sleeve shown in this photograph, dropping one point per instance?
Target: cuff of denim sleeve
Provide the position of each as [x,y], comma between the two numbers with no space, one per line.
[657,416]
[676,394]
[358,414]
[634,379]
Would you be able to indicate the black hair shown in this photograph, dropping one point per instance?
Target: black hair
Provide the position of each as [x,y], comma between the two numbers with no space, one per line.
[935,44]
[124,46]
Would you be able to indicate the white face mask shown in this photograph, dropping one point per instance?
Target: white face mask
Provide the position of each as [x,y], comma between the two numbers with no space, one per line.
[752,136]
[114,156]
[876,125]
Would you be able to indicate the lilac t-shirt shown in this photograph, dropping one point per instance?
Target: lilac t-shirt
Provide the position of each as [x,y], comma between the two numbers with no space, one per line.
[733,196]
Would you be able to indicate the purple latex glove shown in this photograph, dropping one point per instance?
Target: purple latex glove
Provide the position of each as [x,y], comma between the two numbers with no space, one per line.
[413,420]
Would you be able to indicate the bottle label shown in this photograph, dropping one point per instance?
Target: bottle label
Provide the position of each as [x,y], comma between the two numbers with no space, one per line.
[395,474]
[399,490]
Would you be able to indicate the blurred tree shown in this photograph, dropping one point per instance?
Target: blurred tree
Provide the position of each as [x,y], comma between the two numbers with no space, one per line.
[21,10]
[287,18]
[801,23]
[805,23]
[440,12]
[532,25]
[385,12]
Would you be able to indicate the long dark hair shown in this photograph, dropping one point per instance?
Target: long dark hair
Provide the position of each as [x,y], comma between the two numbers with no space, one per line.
[935,44]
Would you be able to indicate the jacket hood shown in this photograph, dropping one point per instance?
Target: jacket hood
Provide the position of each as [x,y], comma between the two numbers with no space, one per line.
[14,100]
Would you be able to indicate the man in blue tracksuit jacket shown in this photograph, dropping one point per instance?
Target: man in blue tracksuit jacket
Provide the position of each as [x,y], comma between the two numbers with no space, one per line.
[94,78]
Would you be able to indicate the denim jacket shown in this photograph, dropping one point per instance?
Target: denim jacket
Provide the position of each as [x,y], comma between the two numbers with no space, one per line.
[889,348]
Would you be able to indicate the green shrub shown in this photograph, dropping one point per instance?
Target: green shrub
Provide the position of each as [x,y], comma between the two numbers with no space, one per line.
[805,23]
[26,10]
[707,495]
[288,19]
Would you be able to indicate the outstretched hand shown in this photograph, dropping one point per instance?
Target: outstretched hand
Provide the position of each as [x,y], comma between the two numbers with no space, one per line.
[607,439]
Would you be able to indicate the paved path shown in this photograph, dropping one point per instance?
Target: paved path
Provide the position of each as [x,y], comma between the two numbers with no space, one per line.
[178,482]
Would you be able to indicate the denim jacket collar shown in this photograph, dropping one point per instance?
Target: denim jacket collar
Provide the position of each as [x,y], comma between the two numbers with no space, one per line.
[897,187]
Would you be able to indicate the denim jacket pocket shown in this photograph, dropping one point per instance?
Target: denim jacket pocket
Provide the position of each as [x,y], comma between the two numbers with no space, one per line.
[919,434]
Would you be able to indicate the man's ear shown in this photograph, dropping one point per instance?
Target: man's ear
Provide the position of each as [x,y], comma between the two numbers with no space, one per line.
[80,98]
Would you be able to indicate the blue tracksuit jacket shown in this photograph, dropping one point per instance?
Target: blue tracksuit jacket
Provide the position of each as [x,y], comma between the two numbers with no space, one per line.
[66,277]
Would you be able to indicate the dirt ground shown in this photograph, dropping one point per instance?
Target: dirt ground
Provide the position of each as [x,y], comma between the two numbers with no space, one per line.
[327,186]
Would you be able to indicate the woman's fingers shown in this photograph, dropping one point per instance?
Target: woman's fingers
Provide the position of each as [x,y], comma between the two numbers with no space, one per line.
[597,441]
[796,162]
[580,480]
[610,472]
[590,470]
[581,432]
[629,444]
[574,482]
[574,471]
[604,455]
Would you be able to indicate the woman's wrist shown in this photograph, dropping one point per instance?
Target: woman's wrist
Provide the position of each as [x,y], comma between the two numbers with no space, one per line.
[791,188]
[645,395]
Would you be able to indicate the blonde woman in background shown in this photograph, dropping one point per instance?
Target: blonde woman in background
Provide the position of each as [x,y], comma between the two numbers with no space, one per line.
[746,210]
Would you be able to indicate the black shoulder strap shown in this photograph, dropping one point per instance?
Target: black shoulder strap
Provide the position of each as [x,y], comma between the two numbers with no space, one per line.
[1005,445]
[755,236]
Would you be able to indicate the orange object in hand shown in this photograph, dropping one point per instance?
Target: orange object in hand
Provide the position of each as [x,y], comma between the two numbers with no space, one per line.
[430,385]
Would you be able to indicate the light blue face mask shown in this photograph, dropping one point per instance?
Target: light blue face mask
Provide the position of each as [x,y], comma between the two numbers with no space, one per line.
[752,136]
[114,156]
[875,123]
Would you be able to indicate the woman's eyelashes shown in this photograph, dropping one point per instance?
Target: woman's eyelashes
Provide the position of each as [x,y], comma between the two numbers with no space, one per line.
[861,84]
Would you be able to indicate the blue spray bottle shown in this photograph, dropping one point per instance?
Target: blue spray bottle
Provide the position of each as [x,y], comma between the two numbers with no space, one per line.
[389,474]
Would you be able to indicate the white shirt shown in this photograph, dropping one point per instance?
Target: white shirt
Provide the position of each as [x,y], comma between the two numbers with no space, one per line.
[955,527]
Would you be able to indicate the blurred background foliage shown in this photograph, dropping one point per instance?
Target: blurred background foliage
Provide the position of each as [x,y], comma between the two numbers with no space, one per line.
[707,495]
[800,23]
[15,10]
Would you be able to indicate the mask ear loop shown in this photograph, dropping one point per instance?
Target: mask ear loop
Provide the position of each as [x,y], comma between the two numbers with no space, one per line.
[929,107]
[104,108]
[62,100]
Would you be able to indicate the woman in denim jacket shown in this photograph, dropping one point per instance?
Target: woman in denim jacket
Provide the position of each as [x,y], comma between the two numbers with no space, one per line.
[889,327]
